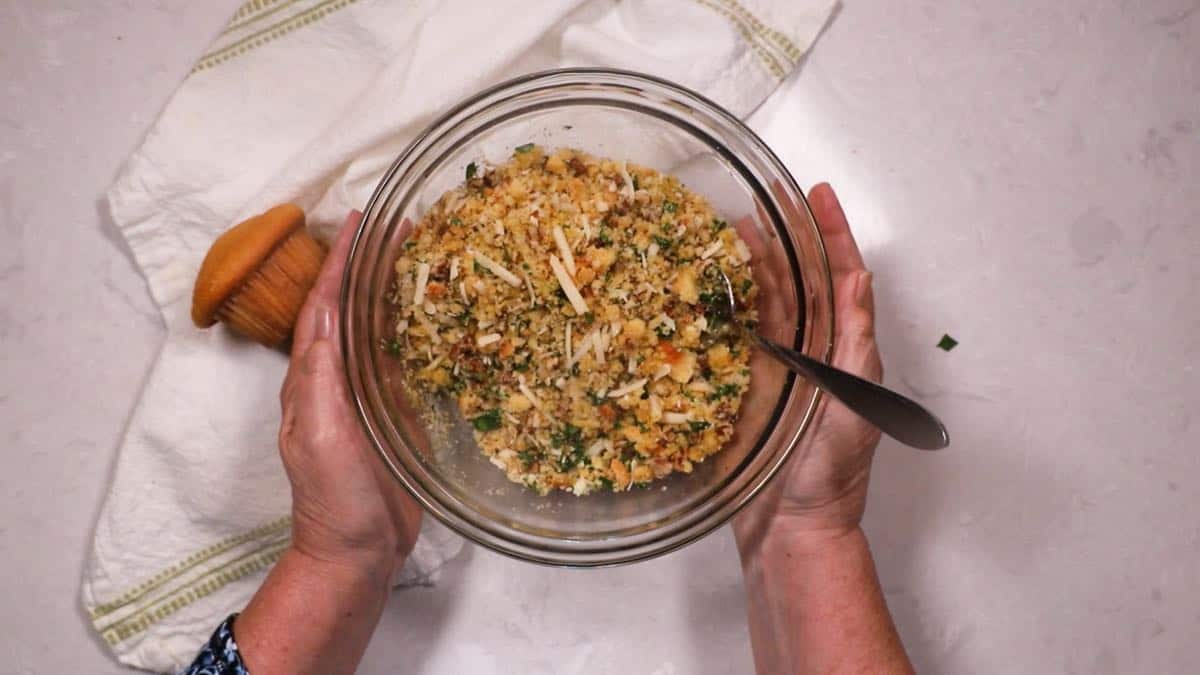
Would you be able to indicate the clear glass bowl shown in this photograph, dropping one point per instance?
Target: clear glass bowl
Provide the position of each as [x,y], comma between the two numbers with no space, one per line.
[655,123]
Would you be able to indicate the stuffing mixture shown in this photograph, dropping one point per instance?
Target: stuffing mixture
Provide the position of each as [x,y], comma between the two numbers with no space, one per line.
[566,303]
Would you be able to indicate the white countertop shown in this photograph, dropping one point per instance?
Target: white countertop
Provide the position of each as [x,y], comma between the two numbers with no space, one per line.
[1024,176]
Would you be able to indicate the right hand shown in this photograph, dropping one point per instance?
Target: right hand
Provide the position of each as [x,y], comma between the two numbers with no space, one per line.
[822,490]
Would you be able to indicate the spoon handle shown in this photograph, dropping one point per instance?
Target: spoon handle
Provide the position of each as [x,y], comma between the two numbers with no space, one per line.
[897,416]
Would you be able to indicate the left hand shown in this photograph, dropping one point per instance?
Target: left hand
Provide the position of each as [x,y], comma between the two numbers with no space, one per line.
[821,492]
[345,507]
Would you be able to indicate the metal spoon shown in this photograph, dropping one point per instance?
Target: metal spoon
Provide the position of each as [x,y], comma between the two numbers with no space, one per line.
[897,416]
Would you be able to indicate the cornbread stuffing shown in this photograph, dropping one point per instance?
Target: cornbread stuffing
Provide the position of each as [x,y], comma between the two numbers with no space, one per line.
[566,302]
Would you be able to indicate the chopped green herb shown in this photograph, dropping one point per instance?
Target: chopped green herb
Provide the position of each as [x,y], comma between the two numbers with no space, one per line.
[663,331]
[409,244]
[636,185]
[604,239]
[718,224]
[947,343]
[670,207]
[663,242]
[698,425]
[570,438]
[471,169]
[726,390]
[569,435]
[746,286]
[488,421]
[528,457]
[711,298]
[393,346]
[479,269]
[607,484]
[456,221]
[521,149]
[596,399]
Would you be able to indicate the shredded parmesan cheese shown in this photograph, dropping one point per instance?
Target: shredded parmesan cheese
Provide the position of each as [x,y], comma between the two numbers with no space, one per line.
[567,340]
[453,268]
[568,286]
[422,280]
[485,340]
[624,171]
[628,389]
[581,349]
[495,268]
[528,285]
[743,251]
[430,329]
[598,447]
[713,249]
[560,240]
[676,418]
[537,403]
[598,344]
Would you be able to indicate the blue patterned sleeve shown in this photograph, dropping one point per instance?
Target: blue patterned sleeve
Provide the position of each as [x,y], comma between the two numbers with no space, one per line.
[220,655]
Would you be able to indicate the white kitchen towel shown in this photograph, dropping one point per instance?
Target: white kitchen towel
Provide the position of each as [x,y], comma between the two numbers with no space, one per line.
[309,101]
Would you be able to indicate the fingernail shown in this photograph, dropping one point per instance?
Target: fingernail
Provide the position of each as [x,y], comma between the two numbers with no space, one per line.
[322,323]
[862,288]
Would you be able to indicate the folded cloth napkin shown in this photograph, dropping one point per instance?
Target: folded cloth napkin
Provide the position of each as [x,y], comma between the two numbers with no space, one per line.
[309,101]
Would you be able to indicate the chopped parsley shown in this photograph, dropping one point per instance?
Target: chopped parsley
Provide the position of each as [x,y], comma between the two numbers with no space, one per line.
[718,224]
[604,239]
[528,457]
[570,439]
[947,343]
[569,435]
[456,221]
[522,149]
[746,286]
[392,346]
[607,484]
[698,425]
[663,331]
[471,169]
[727,390]
[664,243]
[488,421]
[670,207]
[596,399]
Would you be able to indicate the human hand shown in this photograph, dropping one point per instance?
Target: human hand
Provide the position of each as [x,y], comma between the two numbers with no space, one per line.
[345,508]
[822,489]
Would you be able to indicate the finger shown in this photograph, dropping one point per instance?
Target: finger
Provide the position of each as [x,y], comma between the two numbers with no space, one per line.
[325,292]
[840,247]
[855,350]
